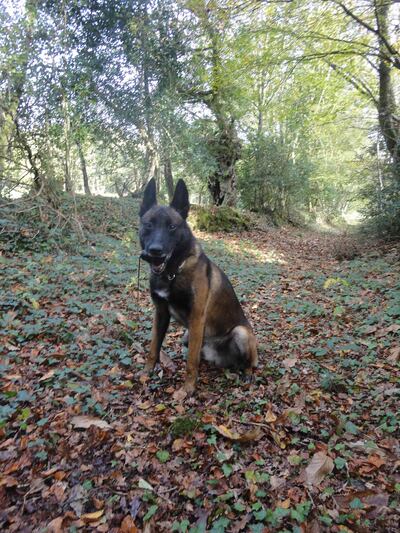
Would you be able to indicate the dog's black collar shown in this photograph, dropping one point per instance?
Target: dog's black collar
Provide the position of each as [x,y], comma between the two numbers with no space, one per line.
[172,275]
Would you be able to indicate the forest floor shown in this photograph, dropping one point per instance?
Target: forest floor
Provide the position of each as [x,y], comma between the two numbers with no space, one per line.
[85,445]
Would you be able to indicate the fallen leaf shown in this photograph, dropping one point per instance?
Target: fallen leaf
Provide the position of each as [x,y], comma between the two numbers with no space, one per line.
[270,416]
[167,361]
[320,466]
[179,395]
[144,405]
[48,375]
[128,525]
[285,504]
[56,525]
[143,484]
[277,482]
[394,354]
[177,445]
[289,362]
[367,497]
[92,517]
[247,436]
[376,460]
[8,481]
[84,422]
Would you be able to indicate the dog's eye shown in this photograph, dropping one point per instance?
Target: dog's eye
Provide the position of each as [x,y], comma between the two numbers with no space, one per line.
[172,227]
[148,225]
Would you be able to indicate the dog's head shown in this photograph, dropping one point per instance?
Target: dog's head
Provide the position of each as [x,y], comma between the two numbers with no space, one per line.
[163,231]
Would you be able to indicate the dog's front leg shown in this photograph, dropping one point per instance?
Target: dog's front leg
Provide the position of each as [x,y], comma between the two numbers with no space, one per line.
[160,325]
[197,321]
[196,333]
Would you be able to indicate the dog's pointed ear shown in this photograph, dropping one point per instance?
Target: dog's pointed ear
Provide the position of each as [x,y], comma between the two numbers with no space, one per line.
[149,197]
[180,201]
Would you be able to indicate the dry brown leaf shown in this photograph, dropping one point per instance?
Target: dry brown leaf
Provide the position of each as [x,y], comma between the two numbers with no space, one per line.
[270,416]
[178,444]
[179,395]
[285,504]
[84,422]
[128,525]
[8,481]
[394,354]
[320,466]
[144,405]
[368,497]
[56,525]
[48,375]
[279,438]
[289,362]
[376,460]
[247,436]
[167,361]
[277,482]
[92,517]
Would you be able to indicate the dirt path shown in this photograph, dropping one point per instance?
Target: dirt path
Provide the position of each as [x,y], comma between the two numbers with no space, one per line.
[311,445]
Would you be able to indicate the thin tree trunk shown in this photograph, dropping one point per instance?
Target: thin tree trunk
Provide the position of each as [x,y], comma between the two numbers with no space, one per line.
[387,101]
[84,169]
[169,181]
[67,147]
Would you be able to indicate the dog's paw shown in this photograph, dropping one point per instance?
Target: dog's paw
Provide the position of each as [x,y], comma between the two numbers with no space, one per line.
[144,375]
[248,377]
[189,387]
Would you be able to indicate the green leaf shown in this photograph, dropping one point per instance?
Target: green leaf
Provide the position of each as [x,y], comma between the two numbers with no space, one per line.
[163,456]
[340,462]
[143,484]
[151,512]
[356,504]
[239,507]
[25,413]
[351,428]
[227,469]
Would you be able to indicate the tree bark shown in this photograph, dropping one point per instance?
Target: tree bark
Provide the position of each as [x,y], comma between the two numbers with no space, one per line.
[226,149]
[169,181]
[84,169]
[389,123]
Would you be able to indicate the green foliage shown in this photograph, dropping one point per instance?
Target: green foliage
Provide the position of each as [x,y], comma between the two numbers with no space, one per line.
[271,180]
[383,204]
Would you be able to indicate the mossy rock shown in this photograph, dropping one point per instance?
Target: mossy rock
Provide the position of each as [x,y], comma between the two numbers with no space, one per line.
[183,426]
[219,219]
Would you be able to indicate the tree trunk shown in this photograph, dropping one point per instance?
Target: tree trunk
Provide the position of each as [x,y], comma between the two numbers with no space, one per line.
[389,123]
[169,181]
[41,185]
[84,169]
[226,149]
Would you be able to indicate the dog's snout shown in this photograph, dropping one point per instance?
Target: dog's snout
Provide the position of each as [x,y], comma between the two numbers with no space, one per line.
[155,249]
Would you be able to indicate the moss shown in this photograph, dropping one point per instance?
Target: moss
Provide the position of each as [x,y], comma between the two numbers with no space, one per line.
[184,425]
[219,219]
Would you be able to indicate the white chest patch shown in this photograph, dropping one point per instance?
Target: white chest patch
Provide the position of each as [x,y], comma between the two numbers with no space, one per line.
[163,293]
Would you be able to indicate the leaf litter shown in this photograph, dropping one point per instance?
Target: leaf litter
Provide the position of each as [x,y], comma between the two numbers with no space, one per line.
[313,444]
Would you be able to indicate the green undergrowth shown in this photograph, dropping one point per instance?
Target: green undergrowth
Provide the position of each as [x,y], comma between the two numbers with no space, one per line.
[75,332]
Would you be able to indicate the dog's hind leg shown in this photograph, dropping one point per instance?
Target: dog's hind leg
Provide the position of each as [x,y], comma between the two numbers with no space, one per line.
[240,351]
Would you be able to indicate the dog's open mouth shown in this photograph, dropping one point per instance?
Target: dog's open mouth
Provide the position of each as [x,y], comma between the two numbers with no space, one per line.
[158,264]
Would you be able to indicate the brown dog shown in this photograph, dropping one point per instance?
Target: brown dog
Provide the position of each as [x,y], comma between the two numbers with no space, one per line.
[184,283]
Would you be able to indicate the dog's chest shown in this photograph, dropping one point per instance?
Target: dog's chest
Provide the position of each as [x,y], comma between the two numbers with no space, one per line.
[178,296]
